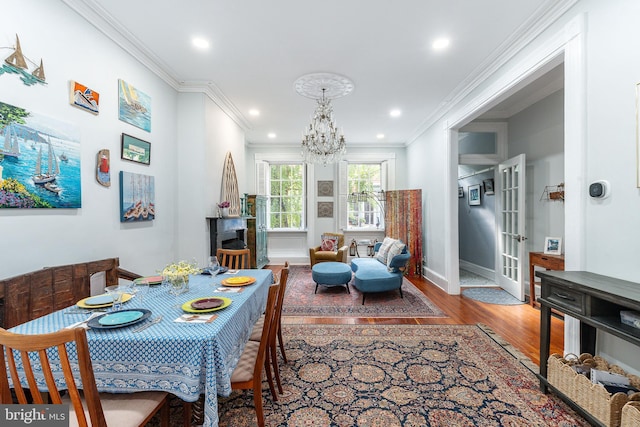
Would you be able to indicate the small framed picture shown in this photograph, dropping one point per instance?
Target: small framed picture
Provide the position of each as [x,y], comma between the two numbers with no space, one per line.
[325,188]
[460,193]
[553,246]
[473,192]
[135,150]
[488,186]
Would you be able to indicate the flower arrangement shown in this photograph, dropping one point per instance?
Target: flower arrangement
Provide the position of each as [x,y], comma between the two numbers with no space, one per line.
[224,204]
[180,270]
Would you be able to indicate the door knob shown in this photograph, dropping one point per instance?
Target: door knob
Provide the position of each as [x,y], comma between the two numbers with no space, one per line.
[519,238]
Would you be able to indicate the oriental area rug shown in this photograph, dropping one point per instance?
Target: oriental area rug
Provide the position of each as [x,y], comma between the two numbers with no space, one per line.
[334,301]
[400,375]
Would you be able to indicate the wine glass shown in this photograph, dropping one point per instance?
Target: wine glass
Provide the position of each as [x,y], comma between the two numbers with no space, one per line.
[214,265]
[116,292]
[140,288]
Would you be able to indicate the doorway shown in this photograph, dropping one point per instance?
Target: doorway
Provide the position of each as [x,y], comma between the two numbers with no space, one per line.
[533,119]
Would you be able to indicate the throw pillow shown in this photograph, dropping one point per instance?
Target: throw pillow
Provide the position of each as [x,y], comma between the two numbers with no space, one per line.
[329,243]
[396,249]
[384,250]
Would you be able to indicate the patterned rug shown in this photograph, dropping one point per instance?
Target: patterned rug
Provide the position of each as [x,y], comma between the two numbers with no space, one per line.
[400,375]
[334,301]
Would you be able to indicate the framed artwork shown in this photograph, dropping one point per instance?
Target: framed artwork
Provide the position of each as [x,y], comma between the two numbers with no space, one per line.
[137,197]
[553,245]
[460,192]
[474,194]
[135,150]
[325,209]
[488,186]
[84,98]
[134,106]
[40,165]
[325,188]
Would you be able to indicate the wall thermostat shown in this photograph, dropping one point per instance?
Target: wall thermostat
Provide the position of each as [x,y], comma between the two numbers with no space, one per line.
[599,189]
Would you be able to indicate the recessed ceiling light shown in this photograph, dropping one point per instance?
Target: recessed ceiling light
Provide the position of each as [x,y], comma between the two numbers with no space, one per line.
[395,113]
[254,112]
[380,135]
[271,135]
[200,43]
[441,43]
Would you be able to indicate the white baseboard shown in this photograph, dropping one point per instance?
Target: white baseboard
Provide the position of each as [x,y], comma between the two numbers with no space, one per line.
[479,270]
[435,278]
[292,260]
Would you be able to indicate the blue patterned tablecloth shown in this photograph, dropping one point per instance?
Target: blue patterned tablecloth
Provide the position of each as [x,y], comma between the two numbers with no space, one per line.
[185,359]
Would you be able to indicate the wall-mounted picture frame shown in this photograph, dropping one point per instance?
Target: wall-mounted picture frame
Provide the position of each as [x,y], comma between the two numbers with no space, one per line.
[137,197]
[487,184]
[473,192]
[460,192]
[553,245]
[84,98]
[134,106]
[325,209]
[135,149]
[325,188]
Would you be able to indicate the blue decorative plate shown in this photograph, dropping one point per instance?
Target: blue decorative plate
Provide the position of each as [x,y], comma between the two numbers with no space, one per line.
[119,319]
[99,300]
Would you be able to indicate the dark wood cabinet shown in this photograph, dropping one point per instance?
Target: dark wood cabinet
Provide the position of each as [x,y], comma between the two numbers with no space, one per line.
[596,301]
[550,262]
[257,239]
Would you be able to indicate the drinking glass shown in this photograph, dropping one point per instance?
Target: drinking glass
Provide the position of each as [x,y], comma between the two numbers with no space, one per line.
[140,288]
[116,292]
[214,266]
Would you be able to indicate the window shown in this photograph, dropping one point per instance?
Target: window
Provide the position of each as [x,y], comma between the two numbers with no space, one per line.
[365,200]
[286,196]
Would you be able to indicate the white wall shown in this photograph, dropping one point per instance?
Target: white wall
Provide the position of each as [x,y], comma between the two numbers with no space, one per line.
[294,246]
[183,127]
[607,231]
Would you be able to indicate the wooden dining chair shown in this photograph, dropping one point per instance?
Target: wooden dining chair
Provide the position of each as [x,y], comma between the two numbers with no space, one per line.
[272,356]
[234,259]
[248,372]
[102,409]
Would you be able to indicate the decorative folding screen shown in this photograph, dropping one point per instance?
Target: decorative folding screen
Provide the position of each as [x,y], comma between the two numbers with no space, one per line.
[403,220]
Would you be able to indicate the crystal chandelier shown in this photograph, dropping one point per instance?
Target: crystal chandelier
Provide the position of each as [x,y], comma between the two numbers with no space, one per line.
[321,141]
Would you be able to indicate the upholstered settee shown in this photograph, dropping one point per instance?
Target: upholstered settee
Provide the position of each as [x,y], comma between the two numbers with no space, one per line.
[383,272]
[332,248]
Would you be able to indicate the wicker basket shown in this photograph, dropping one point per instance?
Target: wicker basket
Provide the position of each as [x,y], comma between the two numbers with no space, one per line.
[593,398]
[631,414]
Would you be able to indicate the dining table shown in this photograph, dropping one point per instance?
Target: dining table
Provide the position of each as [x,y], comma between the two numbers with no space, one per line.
[187,359]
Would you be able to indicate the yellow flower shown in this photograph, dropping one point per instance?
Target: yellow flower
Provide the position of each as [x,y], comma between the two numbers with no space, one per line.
[181,268]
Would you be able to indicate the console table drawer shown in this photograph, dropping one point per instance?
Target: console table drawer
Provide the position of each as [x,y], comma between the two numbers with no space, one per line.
[567,298]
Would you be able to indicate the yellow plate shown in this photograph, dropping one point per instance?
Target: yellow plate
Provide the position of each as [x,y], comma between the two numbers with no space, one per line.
[81,303]
[186,307]
[238,281]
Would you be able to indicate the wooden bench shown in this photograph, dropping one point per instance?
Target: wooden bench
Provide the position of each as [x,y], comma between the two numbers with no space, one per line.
[37,293]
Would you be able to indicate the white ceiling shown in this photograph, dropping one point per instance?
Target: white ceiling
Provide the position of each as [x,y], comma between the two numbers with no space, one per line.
[259,48]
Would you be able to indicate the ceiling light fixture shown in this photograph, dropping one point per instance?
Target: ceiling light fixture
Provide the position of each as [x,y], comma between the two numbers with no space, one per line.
[440,44]
[253,112]
[380,135]
[395,113]
[200,43]
[322,142]
[271,135]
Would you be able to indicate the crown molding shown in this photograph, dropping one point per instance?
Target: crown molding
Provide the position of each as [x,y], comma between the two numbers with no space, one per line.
[95,15]
[539,21]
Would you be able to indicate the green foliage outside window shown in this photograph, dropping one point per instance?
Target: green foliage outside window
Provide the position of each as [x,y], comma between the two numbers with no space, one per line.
[367,212]
[286,196]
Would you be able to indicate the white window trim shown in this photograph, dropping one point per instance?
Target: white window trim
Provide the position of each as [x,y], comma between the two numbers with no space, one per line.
[388,181]
[500,129]
[266,158]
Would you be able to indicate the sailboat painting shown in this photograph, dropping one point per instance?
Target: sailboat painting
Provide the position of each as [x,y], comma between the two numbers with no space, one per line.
[39,161]
[16,63]
[134,106]
[84,98]
[137,197]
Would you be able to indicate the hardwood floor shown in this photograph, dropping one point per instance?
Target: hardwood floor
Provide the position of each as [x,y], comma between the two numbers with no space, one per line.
[518,324]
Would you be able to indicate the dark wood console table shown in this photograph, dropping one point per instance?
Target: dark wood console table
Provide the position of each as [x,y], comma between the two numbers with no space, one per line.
[593,299]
